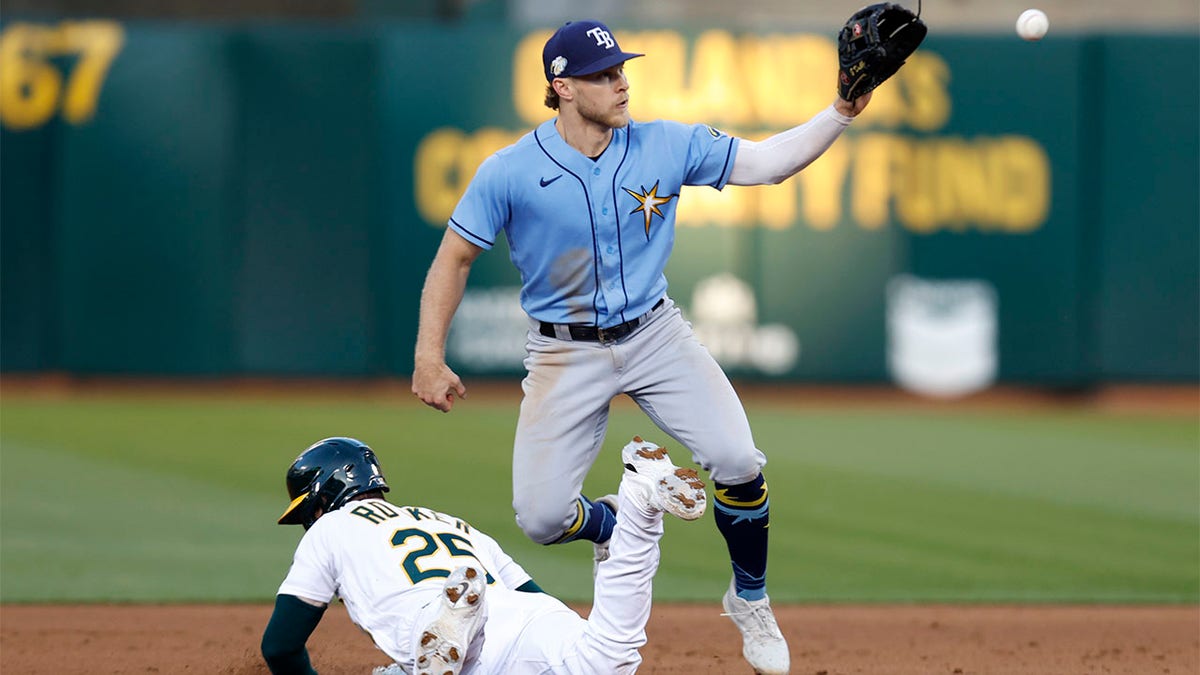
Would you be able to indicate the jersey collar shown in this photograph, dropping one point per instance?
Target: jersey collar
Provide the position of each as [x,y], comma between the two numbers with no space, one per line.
[576,161]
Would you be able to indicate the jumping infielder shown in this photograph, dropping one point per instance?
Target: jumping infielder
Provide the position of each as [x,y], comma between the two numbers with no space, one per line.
[440,597]
[587,202]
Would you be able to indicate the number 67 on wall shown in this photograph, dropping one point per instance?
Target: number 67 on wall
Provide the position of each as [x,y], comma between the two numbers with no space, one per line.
[32,87]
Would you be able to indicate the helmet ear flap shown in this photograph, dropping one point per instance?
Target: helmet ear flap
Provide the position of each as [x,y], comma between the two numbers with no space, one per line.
[333,492]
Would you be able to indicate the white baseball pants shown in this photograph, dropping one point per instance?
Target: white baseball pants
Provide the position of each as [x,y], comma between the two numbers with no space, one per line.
[535,634]
[568,390]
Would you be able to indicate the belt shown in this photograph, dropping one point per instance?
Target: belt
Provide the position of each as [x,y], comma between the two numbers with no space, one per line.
[588,333]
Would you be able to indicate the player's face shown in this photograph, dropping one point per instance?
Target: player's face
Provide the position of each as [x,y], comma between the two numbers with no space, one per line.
[603,97]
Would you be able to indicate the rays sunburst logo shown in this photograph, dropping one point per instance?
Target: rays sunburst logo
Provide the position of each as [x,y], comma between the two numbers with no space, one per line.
[648,203]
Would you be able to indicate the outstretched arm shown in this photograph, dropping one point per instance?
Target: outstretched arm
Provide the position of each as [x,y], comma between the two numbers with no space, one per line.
[783,155]
[293,620]
[433,381]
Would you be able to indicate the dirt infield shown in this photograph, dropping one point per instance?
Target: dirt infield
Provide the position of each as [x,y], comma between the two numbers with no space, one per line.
[692,639]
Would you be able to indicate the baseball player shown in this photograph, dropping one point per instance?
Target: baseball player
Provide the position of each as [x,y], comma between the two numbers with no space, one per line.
[587,202]
[440,597]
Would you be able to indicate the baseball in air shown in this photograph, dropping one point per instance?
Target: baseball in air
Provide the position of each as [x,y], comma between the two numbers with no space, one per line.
[1032,25]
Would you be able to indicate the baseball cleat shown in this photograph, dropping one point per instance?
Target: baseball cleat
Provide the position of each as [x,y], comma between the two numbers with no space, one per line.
[763,645]
[442,648]
[662,485]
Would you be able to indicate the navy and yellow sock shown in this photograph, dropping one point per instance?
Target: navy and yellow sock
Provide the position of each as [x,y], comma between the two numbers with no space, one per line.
[594,521]
[742,513]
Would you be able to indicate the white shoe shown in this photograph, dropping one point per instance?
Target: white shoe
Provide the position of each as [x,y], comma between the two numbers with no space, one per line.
[661,485]
[600,548]
[390,669]
[443,646]
[763,646]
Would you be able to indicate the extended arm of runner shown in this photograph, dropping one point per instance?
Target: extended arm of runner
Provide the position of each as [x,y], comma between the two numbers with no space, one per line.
[283,641]
[783,155]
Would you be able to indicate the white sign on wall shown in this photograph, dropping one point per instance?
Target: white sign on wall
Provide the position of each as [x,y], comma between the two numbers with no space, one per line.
[724,315]
[941,335]
[488,332]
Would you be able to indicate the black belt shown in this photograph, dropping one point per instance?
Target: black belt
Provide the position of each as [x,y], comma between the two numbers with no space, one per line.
[588,333]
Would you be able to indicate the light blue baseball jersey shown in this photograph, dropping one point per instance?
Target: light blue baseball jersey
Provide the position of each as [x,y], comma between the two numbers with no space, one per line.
[591,237]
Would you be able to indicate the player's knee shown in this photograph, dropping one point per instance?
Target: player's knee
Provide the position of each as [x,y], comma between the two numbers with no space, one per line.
[542,525]
[737,469]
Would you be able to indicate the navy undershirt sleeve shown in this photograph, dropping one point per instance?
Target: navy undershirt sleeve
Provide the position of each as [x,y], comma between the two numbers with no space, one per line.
[283,641]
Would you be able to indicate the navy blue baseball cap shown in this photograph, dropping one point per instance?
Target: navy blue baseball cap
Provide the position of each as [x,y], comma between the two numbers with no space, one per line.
[581,48]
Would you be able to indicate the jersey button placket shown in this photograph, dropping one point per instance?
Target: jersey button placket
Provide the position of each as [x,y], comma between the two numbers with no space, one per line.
[611,274]
[609,262]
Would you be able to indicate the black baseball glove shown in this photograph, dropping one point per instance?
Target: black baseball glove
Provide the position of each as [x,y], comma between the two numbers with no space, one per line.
[873,45]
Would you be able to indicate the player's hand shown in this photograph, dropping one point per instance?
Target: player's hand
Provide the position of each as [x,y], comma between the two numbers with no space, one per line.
[436,385]
[852,108]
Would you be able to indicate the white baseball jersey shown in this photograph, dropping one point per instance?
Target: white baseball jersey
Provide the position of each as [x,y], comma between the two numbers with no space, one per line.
[387,562]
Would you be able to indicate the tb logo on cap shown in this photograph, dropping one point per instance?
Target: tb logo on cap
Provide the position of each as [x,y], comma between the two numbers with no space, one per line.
[603,39]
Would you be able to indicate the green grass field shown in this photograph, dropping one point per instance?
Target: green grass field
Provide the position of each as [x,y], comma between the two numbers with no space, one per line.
[175,498]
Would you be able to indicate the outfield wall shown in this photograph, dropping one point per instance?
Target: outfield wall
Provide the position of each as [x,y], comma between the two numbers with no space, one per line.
[265,199]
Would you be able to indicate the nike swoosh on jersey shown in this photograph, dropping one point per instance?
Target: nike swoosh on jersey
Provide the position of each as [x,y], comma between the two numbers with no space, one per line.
[545,182]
